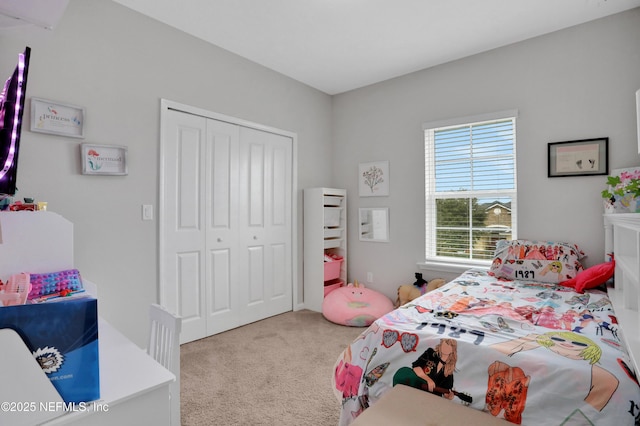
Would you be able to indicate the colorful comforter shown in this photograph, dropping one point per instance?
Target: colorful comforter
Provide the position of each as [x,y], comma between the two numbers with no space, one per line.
[531,353]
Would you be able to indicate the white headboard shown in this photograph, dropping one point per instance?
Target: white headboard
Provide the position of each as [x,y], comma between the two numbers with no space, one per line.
[622,239]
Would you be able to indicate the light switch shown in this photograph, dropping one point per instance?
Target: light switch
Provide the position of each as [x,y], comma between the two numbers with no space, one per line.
[147,212]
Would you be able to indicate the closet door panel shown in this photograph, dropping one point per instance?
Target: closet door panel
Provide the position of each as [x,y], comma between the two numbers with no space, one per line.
[220,296]
[267,175]
[257,185]
[279,255]
[188,155]
[182,268]
[188,265]
[279,204]
[252,198]
[255,277]
[279,219]
[221,180]
[221,189]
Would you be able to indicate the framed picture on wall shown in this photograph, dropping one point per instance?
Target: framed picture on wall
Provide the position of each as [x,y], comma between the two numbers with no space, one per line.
[578,158]
[56,118]
[374,224]
[104,159]
[373,179]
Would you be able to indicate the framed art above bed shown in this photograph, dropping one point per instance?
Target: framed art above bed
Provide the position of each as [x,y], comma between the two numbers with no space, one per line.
[578,158]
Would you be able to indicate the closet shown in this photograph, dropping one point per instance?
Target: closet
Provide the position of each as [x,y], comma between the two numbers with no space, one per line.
[226,225]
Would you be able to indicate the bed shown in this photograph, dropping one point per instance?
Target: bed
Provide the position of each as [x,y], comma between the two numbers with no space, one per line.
[511,341]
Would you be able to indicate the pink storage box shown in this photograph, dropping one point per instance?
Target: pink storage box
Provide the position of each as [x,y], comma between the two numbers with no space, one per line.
[329,286]
[332,270]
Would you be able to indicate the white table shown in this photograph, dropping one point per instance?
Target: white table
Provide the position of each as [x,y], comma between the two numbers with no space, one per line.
[134,388]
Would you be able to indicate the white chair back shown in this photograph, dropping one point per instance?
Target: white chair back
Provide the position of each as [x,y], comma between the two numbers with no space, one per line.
[164,347]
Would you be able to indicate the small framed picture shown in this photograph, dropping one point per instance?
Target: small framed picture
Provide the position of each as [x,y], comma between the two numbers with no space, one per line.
[374,224]
[578,158]
[373,179]
[57,118]
[103,159]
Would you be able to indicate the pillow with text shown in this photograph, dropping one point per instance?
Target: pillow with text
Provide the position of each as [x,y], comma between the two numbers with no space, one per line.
[547,262]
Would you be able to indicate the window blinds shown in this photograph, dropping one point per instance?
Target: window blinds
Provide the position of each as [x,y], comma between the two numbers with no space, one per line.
[470,181]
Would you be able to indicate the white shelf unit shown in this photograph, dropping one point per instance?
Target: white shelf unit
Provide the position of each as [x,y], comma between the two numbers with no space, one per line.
[622,238]
[325,232]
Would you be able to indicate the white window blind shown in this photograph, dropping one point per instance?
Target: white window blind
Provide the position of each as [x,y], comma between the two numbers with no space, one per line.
[471,189]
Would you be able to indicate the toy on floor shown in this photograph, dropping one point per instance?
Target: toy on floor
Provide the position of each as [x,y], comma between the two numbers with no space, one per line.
[408,292]
[355,305]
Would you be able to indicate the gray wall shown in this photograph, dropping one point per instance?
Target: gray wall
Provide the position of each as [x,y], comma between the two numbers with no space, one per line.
[574,84]
[119,64]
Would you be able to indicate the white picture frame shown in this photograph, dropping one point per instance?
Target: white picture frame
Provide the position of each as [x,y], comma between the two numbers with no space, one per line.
[373,179]
[57,118]
[373,224]
[104,159]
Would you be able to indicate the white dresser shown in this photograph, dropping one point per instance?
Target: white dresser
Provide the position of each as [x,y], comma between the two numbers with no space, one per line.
[622,238]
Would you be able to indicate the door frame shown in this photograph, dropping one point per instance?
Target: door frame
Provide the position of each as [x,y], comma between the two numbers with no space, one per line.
[167,105]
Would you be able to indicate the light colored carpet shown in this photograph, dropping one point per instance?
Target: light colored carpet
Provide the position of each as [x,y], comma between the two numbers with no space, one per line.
[273,372]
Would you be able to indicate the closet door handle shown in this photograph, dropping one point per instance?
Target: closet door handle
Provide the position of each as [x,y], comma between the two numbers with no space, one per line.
[219,239]
[255,237]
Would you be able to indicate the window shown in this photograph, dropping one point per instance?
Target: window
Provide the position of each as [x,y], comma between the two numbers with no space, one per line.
[470,188]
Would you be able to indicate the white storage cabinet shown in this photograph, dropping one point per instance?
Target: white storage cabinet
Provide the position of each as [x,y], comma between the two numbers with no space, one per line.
[622,238]
[325,233]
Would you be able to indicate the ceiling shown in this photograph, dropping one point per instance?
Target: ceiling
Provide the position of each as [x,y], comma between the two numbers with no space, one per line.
[43,14]
[339,45]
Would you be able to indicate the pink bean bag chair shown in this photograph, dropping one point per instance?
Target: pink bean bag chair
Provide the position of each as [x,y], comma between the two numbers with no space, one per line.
[355,305]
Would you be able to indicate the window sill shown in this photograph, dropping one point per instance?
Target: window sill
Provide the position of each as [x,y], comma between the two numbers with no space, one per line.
[452,267]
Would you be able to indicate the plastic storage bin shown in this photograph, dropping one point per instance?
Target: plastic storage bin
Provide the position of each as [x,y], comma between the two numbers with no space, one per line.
[332,233]
[332,243]
[332,216]
[334,201]
[332,270]
[329,286]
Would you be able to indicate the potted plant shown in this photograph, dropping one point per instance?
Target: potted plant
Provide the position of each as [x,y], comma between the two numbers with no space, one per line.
[623,193]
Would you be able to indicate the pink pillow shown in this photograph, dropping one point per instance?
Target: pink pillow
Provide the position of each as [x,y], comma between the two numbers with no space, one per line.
[591,277]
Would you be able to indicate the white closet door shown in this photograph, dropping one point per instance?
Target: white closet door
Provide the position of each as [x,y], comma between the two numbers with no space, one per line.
[182,288]
[265,223]
[223,284]
[227,228]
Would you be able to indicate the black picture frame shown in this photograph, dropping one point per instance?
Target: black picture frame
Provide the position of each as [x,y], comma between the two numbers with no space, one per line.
[584,157]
